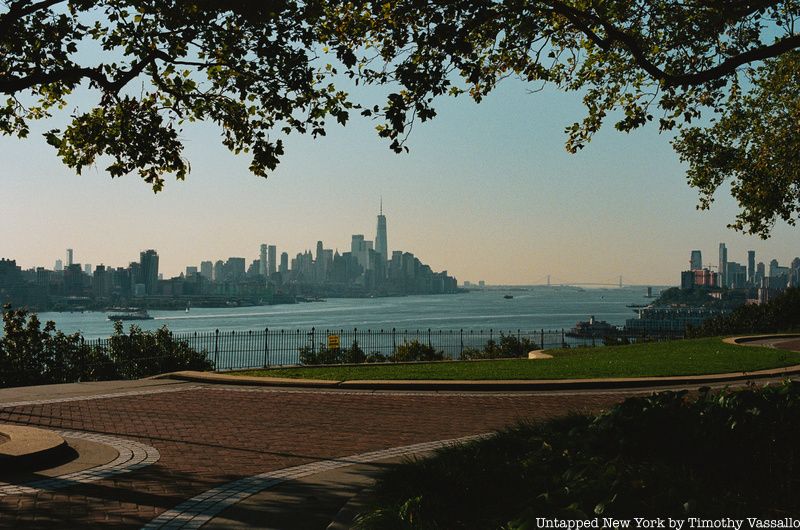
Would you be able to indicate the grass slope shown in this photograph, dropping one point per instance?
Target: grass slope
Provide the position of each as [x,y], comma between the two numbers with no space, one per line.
[685,357]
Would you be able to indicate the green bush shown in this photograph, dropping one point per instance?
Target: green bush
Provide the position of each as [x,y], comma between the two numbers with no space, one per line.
[34,355]
[729,453]
[416,351]
[325,355]
[143,353]
[779,314]
[510,346]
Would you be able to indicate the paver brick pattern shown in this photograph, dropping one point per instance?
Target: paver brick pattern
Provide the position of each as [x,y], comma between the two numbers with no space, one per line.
[212,435]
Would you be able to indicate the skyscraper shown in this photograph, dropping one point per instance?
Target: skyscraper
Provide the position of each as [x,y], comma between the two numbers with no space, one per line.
[59,266]
[207,270]
[284,263]
[381,246]
[69,257]
[723,264]
[148,260]
[696,261]
[751,267]
[262,264]
[272,264]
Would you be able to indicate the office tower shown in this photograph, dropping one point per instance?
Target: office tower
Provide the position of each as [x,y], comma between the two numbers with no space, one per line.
[381,245]
[69,257]
[59,266]
[235,268]
[191,271]
[760,273]
[357,244]
[284,263]
[219,270]
[773,268]
[751,267]
[207,270]
[272,265]
[148,260]
[723,263]
[87,269]
[696,261]
[262,264]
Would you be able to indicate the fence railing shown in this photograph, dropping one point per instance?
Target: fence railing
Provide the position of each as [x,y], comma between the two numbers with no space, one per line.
[231,350]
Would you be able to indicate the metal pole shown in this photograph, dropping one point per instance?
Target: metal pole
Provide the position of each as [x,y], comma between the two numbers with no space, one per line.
[216,351]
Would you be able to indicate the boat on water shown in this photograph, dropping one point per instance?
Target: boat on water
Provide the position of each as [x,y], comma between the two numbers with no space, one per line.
[508,297]
[133,314]
[593,329]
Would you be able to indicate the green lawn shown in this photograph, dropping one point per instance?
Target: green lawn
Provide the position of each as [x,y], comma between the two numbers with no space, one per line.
[685,357]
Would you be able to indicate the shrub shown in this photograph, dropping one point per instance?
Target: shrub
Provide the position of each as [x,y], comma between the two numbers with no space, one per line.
[779,314]
[728,453]
[416,351]
[32,355]
[325,355]
[510,346]
[143,353]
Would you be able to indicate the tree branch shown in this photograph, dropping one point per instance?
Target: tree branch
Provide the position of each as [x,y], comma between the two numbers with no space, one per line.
[19,10]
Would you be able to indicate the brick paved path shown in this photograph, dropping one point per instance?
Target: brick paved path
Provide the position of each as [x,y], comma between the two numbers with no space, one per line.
[208,436]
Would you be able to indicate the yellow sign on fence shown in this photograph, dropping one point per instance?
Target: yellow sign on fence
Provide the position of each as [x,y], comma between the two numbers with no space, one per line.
[333,342]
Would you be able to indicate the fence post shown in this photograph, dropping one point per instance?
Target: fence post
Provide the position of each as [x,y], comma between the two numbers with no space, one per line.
[266,347]
[562,338]
[461,350]
[541,342]
[429,338]
[394,341]
[216,350]
[491,334]
[313,340]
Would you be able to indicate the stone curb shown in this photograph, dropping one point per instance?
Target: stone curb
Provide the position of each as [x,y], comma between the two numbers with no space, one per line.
[30,446]
[493,385]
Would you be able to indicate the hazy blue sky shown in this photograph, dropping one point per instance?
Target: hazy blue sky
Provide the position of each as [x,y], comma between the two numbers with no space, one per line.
[487,192]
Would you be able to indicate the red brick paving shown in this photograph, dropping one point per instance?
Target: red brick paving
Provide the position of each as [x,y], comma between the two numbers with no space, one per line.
[213,435]
[793,345]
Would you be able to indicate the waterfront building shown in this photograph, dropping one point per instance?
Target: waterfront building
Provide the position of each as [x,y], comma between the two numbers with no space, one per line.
[148,261]
[381,244]
[699,278]
[262,264]
[696,261]
[773,268]
[671,321]
[271,260]
[736,275]
[234,269]
[723,264]
[219,270]
[207,270]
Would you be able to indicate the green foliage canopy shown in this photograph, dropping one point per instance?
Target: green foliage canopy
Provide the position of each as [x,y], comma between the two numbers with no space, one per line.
[257,70]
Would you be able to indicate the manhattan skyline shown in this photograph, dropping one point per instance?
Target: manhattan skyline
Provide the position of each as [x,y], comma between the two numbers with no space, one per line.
[487,193]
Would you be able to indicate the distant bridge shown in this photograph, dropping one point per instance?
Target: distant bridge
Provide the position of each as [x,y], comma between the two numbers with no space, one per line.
[550,281]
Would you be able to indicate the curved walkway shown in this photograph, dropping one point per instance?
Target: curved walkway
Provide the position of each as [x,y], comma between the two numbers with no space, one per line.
[132,455]
[198,510]
[215,438]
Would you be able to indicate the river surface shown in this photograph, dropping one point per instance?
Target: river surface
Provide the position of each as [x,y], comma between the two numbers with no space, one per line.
[531,308]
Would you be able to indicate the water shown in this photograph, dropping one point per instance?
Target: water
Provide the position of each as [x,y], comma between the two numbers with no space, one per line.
[531,308]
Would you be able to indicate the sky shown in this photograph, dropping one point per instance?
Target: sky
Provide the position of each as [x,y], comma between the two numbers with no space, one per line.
[488,192]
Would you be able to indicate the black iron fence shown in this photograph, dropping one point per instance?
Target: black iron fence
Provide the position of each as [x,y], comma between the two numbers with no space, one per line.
[231,350]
